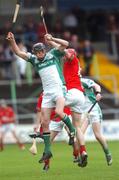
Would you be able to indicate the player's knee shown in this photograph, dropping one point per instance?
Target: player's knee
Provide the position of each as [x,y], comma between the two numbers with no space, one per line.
[45,123]
[45,126]
[59,112]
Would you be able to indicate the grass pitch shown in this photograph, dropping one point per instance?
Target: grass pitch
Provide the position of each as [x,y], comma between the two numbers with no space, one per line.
[21,165]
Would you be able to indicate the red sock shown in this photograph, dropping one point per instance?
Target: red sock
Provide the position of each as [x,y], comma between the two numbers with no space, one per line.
[82,148]
[41,130]
[47,162]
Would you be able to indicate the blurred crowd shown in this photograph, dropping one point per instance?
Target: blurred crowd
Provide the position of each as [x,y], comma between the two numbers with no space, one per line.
[80,28]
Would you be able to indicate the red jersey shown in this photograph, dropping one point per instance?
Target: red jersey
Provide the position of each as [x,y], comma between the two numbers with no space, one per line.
[53,116]
[6,115]
[70,71]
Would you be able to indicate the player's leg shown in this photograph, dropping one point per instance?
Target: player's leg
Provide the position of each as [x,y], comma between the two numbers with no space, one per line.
[80,138]
[76,154]
[55,128]
[84,125]
[45,116]
[38,128]
[1,140]
[75,145]
[53,135]
[46,166]
[3,130]
[60,103]
[21,145]
[76,99]
[96,126]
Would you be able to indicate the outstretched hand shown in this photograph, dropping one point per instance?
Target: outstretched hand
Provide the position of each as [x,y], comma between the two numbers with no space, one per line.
[10,36]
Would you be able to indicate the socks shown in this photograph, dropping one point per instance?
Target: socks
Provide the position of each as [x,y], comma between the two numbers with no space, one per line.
[82,148]
[46,137]
[106,150]
[67,121]
[47,162]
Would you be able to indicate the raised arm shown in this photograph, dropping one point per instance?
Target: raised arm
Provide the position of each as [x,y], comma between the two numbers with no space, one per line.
[60,44]
[15,48]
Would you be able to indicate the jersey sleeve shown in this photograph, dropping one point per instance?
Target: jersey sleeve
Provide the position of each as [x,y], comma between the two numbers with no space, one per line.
[89,82]
[31,58]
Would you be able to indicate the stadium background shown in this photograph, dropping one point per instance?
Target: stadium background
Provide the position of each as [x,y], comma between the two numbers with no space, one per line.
[97,21]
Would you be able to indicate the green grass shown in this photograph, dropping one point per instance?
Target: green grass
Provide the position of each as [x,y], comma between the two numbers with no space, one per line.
[21,165]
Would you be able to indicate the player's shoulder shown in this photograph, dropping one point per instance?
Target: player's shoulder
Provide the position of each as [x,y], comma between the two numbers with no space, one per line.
[57,52]
[52,51]
[87,82]
[32,57]
[49,55]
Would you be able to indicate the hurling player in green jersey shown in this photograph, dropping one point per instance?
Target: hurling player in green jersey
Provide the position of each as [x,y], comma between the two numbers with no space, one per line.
[92,94]
[48,65]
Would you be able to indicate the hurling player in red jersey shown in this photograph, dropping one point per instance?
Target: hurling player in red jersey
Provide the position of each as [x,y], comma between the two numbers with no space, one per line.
[74,86]
[7,124]
[71,69]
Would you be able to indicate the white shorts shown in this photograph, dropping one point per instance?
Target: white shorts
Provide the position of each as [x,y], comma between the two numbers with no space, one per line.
[95,115]
[75,99]
[56,126]
[7,128]
[50,97]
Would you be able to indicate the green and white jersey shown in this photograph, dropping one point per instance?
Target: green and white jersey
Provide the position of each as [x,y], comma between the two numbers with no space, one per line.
[96,113]
[88,85]
[49,69]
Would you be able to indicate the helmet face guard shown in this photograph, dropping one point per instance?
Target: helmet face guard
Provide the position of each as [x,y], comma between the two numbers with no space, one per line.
[38,47]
